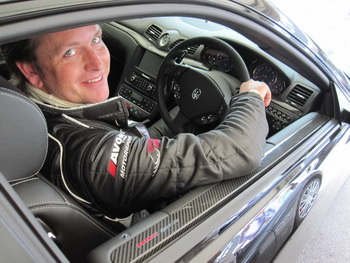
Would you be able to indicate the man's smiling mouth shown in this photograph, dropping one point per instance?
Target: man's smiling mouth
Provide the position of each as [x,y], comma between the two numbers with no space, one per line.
[94,80]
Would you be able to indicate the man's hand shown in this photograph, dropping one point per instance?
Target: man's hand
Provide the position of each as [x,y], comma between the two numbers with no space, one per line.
[257,86]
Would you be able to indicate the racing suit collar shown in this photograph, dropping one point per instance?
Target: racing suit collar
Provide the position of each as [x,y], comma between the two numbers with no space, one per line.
[39,96]
[112,110]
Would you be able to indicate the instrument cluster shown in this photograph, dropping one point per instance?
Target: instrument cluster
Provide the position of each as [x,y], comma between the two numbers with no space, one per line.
[259,70]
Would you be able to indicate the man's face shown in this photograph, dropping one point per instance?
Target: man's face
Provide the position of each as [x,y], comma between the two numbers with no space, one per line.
[74,65]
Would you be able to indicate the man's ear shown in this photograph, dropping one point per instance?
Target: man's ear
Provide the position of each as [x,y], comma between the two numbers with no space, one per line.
[30,72]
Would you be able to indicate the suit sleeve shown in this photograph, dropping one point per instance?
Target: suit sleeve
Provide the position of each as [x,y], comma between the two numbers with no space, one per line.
[121,173]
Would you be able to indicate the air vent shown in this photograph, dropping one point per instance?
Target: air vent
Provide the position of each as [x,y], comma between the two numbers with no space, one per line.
[193,49]
[153,33]
[299,96]
[176,43]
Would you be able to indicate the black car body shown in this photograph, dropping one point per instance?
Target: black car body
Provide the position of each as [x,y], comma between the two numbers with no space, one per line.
[247,219]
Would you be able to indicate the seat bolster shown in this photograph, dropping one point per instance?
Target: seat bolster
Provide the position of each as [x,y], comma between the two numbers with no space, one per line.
[72,228]
[23,140]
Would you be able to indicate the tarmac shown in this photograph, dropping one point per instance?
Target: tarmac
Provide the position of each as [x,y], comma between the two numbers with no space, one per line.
[327,22]
[330,242]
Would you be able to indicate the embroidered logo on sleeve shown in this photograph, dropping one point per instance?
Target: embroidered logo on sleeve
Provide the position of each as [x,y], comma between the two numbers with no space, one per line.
[125,157]
[120,139]
[154,153]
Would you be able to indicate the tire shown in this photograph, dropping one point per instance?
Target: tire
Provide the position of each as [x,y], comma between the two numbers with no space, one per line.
[307,199]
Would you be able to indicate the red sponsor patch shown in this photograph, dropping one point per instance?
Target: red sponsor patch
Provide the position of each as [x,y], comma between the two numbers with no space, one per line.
[152,145]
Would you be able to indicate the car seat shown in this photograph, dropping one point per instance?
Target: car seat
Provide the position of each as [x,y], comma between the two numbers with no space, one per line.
[23,144]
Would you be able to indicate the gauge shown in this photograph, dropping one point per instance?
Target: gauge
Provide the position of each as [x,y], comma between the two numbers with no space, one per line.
[164,40]
[210,57]
[278,87]
[217,59]
[223,62]
[265,73]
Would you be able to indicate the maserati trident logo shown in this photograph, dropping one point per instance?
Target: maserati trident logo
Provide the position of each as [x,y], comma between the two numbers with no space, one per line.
[196,93]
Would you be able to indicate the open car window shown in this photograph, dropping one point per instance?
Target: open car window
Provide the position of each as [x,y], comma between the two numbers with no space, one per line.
[245,219]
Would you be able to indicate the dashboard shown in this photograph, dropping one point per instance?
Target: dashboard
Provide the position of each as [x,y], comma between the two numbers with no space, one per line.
[145,44]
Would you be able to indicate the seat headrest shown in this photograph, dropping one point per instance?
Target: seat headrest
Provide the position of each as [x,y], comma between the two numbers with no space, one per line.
[23,134]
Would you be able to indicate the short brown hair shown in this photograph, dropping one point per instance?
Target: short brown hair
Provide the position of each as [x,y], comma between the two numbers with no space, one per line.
[20,51]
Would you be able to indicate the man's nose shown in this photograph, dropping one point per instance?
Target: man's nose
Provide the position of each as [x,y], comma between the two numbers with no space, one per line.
[93,61]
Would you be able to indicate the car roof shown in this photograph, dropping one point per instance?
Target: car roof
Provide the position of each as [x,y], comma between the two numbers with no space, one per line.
[27,16]
[261,10]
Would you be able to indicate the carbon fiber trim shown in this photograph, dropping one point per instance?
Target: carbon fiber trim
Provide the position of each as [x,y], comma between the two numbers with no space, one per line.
[190,213]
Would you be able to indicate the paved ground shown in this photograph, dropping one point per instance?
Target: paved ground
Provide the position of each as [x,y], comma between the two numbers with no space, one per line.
[328,23]
[331,241]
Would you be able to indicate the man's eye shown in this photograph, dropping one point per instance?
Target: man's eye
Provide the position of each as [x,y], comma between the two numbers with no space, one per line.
[70,52]
[96,40]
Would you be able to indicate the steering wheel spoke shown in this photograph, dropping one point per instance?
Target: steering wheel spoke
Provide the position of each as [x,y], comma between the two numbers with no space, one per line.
[174,69]
[180,121]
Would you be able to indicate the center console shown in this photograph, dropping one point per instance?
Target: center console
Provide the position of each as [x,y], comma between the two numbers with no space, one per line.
[139,88]
[138,92]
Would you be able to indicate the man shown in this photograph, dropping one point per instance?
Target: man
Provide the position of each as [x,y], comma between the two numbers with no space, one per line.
[109,168]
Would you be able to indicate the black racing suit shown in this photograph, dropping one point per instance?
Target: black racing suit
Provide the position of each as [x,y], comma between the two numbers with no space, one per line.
[119,173]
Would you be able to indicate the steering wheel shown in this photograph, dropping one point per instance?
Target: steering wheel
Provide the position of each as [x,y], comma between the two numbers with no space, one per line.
[202,96]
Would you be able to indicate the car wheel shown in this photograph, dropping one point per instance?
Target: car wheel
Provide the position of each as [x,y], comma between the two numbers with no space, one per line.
[307,199]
